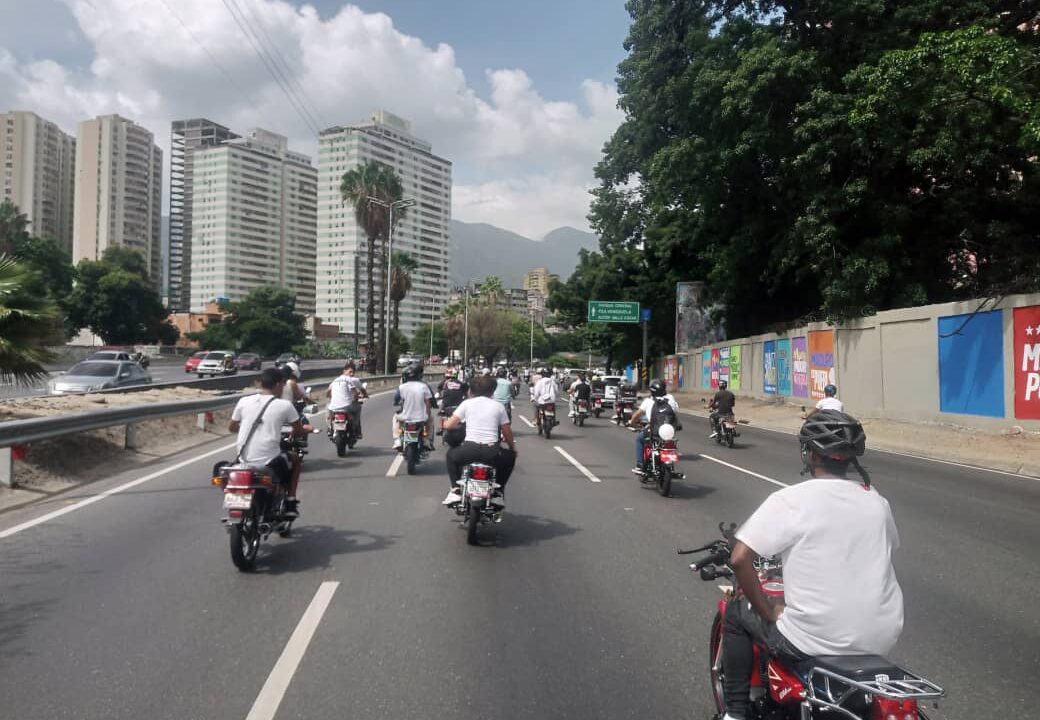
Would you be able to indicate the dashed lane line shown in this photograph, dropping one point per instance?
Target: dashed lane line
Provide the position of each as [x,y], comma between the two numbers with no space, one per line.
[395,466]
[581,468]
[266,705]
[529,423]
[746,472]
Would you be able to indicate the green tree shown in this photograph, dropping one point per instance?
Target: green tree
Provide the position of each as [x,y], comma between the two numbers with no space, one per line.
[116,300]
[373,179]
[520,335]
[26,325]
[50,261]
[490,291]
[441,339]
[265,322]
[14,227]
[402,265]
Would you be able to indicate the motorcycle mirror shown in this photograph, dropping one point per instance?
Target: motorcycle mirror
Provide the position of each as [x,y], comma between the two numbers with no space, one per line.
[364,386]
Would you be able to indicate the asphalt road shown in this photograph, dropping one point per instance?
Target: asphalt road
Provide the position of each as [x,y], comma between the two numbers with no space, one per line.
[576,606]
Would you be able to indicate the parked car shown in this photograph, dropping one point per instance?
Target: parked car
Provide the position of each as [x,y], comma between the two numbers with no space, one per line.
[94,375]
[286,357]
[217,362]
[119,355]
[248,361]
[192,363]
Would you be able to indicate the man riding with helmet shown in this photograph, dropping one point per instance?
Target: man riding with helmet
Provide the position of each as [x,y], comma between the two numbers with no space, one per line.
[503,392]
[721,406]
[416,401]
[345,394]
[830,400]
[579,390]
[544,392]
[835,536]
[453,392]
[646,408]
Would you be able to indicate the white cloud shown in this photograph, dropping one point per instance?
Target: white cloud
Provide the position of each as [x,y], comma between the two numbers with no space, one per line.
[520,161]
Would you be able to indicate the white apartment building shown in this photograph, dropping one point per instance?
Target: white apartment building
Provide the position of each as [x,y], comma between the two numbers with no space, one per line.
[254,218]
[118,195]
[424,233]
[37,162]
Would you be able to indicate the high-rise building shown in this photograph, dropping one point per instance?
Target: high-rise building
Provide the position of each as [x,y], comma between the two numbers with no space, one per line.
[118,197]
[37,163]
[254,218]
[186,137]
[538,279]
[424,233]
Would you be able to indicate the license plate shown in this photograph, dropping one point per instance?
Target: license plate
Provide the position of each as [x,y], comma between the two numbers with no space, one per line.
[410,437]
[238,501]
[669,456]
[550,413]
[478,489]
[337,426]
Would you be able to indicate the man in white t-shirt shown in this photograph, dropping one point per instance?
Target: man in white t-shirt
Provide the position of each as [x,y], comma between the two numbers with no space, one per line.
[416,403]
[830,401]
[345,393]
[486,420]
[835,536]
[545,391]
[263,451]
[645,415]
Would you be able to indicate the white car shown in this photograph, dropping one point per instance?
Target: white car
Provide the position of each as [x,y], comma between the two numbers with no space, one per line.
[217,362]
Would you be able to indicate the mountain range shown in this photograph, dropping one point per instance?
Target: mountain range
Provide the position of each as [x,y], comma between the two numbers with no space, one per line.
[479,250]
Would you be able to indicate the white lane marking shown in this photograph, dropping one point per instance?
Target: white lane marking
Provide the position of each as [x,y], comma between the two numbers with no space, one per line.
[266,705]
[966,466]
[529,423]
[575,463]
[108,493]
[746,472]
[395,465]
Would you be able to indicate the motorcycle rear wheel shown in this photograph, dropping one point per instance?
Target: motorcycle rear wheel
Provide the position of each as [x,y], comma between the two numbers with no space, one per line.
[581,421]
[341,444]
[664,481]
[411,457]
[245,544]
[729,439]
[718,677]
[472,522]
[548,431]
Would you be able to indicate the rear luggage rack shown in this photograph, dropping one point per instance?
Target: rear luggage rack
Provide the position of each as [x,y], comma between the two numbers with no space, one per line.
[823,693]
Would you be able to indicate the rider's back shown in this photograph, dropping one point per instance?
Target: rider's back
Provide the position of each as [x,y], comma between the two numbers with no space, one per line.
[836,538]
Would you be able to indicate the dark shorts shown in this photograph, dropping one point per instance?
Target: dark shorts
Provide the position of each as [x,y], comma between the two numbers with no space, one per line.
[281,469]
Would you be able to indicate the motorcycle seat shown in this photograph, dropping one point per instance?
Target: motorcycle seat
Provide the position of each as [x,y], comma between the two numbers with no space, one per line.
[855,667]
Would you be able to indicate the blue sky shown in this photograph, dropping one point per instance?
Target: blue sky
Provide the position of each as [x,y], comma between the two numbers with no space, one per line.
[519,95]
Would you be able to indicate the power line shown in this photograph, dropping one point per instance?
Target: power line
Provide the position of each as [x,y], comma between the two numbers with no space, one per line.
[212,59]
[265,58]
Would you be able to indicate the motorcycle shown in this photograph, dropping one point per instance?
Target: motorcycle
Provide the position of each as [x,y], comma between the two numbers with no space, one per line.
[624,408]
[855,687]
[660,453]
[255,506]
[546,419]
[479,496]
[581,412]
[597,407]
[725,429]
[413,443]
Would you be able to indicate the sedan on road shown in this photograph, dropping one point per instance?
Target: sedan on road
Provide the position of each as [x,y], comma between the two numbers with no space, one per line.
[286,357]
[218,362]
[248,361]
[192,363]
[94,375]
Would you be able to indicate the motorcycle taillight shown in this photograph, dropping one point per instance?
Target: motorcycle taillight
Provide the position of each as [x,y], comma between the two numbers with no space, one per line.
[412,427]
[478,472]
[240,478]
[550,406]
[670,444]
[341,417]
[891,709]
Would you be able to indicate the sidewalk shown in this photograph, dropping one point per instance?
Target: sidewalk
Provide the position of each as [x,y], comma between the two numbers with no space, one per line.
[1009,451]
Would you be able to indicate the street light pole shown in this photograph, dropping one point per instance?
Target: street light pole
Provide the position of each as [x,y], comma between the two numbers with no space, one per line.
[402,203]
[465,330]
[531,363]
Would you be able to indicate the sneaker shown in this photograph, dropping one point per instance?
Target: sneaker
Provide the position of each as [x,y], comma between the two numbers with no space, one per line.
[453,497]
[397,444]
[292,509]
[714,434]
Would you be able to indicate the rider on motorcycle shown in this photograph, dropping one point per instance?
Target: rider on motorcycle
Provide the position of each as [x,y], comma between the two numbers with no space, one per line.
[485,421]
[416,404]
[830,400]
[294,394]
[264,451]
[721,406]
[545,391]
[579,390]
[657,394]
[504,390]
[835,536]
[626,392]
[345,393]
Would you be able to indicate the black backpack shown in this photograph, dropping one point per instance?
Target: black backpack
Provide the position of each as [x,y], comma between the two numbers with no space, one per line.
[660,414]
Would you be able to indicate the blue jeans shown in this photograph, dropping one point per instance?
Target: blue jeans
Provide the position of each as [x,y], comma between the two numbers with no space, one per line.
[640,441]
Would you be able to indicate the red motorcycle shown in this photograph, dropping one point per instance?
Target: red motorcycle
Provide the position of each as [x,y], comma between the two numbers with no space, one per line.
[855,687]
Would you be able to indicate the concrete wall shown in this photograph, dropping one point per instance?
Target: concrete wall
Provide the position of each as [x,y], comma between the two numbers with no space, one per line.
[889,365]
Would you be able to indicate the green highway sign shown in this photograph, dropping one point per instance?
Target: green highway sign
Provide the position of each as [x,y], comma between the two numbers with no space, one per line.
[608,311]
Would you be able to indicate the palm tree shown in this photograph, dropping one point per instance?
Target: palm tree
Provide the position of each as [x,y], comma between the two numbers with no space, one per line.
[372,179]
[491,288]
[14,226]
[27,322]
[402,266]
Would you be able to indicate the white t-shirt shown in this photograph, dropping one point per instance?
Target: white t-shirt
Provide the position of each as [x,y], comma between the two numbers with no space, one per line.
[413,399]
[345,390]
[266,443]
[483,417]
[546,391]
[831,403]
[648,405]
[836,539]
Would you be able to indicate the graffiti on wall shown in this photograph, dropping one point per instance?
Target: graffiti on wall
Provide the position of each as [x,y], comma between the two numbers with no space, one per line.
[724,364]
[734,368]
[800,367]
[1027,362]
[716,365]
[971,364]
[670,370]
[783,367]
[821,361]
[769,366]
[706,370]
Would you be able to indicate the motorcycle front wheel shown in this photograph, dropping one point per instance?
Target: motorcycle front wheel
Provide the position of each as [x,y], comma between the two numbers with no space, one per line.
[729,439]
[472,522]
[718,677]
[411,456]
[664,480]
[245,544]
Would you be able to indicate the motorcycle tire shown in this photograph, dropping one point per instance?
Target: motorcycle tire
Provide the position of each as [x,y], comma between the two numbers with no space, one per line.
[574,419]
[351,440]
[245,544]
[472,523]
[581,421]
[341,444]
[715,670]
[548,431]
[597,413]
[729,439]
[718,437]
[664,481]
[411,457]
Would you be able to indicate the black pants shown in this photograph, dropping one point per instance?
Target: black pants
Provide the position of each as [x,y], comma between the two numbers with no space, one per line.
[743,628]
[503,460]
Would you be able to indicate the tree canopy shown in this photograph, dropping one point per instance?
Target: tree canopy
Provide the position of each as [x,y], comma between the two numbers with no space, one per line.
[265,321]
[812,159]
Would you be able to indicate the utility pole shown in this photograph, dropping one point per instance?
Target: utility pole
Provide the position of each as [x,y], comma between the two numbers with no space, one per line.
[465,331]
[531,364]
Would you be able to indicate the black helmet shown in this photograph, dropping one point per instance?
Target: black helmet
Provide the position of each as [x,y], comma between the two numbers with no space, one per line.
[834,435]
[501,372]
[723,384]
[830,390]
[413,372]
[657,388]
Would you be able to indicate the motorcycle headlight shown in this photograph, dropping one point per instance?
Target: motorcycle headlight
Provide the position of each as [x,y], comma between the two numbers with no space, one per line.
[666,431]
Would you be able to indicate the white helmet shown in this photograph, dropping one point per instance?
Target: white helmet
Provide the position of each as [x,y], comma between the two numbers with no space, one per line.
[294,367]
[666,431]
